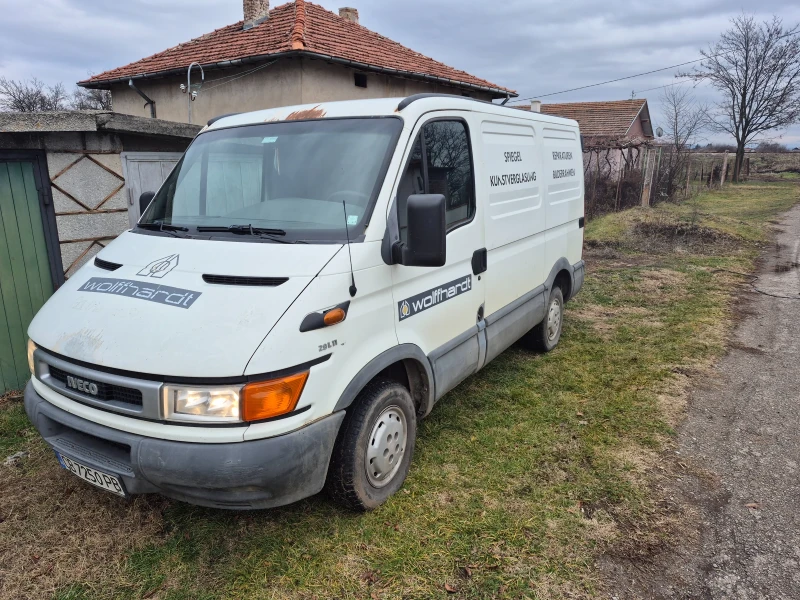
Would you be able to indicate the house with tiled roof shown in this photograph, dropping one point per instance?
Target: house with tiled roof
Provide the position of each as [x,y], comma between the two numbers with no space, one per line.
[297,53]
[614,132]
[616,120]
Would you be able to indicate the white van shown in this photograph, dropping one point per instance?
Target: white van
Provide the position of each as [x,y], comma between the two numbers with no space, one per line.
[302,289]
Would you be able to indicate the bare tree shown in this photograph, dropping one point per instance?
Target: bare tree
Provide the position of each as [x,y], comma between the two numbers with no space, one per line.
[684,120]
[31,96]
[34,96]
[756,66]
[83,99]
[772,147]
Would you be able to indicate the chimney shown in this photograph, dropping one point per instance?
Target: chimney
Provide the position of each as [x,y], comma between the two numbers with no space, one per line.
[351,14]
[255,12]
[536,106]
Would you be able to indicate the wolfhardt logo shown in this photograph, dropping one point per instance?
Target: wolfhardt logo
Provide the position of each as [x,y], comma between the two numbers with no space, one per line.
[156,292]
[159,268]
[416,304]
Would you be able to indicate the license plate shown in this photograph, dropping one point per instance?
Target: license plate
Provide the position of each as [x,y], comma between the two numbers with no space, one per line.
[98,478]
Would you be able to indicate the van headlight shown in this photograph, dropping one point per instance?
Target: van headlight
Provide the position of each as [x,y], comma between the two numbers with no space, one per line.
[256,401]
[31,350]
[203,404]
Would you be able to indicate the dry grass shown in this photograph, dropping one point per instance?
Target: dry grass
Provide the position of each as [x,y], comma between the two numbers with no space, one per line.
[524,476]
[55,530]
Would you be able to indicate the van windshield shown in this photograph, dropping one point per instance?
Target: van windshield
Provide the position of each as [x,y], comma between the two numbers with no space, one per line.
[298,180]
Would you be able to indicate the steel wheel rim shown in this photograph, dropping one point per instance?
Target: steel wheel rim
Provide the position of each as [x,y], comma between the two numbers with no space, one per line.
[553,320]
[386,446]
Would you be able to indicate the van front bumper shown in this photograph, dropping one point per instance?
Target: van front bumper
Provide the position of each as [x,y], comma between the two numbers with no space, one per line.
[245,475]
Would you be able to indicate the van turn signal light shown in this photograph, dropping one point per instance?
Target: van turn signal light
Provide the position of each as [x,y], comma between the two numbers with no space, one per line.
[267,399]
[332,317]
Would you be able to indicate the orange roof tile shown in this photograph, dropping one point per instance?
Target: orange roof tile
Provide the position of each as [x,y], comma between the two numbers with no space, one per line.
[303,28]
[601,119]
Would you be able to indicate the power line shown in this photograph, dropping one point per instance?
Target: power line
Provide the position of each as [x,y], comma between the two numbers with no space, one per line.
[238,76]
[583,87]
[591,85]
[666,86]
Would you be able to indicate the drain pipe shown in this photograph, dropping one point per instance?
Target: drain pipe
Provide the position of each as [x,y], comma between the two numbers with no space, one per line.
[147,101]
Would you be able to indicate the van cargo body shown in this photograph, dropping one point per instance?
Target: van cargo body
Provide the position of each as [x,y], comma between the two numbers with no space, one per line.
[300,291]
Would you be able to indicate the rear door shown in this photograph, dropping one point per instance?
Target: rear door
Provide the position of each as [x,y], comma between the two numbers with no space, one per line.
[438,308]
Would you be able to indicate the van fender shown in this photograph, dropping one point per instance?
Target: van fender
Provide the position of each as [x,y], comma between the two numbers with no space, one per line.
[405,353]
[576,276]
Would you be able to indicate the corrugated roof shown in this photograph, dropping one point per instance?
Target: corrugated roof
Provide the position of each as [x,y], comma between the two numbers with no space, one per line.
[602,119]
[299,27]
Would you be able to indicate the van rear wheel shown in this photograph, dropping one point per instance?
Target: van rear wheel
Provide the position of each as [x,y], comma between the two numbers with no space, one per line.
[373,451]
[545,336]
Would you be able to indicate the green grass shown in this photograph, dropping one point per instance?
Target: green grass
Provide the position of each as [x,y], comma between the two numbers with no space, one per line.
[522,475]
[740,210]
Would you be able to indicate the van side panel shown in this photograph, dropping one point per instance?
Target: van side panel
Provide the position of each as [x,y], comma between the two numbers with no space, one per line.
[563,180]
[514,216]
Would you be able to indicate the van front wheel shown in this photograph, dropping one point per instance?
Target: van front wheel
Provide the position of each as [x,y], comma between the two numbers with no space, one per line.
[374,448]
[544,337]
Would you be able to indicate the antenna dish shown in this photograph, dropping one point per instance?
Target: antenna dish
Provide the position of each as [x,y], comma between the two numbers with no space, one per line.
[659,131]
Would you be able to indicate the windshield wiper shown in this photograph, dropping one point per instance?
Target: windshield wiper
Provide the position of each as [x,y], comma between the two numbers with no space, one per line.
[244,230]
[164,227]
[265,233]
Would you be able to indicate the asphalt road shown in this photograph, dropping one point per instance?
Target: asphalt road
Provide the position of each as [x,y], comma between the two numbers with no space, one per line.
[743,431]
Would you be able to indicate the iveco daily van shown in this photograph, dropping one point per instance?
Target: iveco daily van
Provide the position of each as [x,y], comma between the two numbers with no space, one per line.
[301,290]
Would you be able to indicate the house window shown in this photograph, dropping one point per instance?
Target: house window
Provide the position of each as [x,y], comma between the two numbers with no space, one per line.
[440,163]
[361,80]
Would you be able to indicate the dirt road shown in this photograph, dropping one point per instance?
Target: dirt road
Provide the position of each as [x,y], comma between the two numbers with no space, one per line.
[742,436]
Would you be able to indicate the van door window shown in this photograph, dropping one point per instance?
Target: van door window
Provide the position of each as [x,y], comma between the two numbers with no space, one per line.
[440,163]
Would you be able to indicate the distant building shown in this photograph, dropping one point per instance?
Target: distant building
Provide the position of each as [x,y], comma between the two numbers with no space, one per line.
[297,53]
[611,130]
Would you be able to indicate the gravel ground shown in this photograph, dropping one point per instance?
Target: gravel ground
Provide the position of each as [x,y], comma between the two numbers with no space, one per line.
[740,447]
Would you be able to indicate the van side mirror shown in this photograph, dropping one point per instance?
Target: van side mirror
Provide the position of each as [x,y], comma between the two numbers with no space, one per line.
[144,201]
[426,233]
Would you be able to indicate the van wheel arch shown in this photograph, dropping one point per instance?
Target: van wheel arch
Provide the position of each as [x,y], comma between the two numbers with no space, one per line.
[561,275]
[406,364]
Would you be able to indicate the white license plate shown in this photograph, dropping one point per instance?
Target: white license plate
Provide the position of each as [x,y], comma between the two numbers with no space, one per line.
[102,480]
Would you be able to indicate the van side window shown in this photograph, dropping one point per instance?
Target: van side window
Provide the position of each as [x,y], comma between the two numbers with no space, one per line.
[440,163]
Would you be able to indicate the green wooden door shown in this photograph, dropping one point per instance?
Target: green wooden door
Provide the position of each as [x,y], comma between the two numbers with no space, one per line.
[25,280]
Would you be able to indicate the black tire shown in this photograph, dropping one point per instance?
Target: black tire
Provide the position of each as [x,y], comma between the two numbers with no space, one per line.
[348,482]
[543,338]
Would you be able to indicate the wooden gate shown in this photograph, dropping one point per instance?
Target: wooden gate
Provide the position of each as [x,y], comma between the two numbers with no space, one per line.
[30,264]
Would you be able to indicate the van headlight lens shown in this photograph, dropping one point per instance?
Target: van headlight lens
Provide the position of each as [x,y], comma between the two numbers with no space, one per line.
[199,404]
[31,350]
[255,401]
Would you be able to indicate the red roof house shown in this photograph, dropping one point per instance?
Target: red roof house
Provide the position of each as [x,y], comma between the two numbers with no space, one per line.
[609,120]
[296,53]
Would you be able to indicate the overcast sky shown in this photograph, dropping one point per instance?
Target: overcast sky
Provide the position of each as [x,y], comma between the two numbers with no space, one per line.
[534,46]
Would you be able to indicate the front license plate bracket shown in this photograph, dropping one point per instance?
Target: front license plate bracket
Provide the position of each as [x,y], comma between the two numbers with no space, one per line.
[106,481]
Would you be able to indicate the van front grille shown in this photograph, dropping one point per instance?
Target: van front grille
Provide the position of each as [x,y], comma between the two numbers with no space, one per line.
[106,392]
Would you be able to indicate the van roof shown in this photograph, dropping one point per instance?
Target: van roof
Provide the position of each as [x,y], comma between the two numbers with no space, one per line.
[410,109]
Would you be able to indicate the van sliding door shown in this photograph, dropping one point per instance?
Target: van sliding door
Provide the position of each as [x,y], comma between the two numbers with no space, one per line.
[515,224]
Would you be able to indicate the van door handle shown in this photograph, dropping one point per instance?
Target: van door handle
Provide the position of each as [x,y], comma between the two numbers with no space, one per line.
[479,261]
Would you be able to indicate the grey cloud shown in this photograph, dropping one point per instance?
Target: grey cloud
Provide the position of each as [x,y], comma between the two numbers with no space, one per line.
[535,47]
